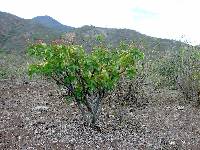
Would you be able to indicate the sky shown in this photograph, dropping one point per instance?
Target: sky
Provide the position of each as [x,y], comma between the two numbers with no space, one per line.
[172,19]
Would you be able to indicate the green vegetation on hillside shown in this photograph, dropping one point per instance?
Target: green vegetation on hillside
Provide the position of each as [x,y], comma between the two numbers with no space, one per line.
[17,32]
[90,70]
[87,77]
[12,65]
[180,70]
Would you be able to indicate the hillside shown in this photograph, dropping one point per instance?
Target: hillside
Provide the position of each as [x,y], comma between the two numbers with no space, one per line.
[157,109]
[8,23]
[150,45]
[34,116]
[15,32]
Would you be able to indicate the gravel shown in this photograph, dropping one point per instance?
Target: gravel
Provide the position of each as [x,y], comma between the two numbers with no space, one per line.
[33,116]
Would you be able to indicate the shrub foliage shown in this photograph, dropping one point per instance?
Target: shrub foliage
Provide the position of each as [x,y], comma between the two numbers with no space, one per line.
[182,70]
[87,77]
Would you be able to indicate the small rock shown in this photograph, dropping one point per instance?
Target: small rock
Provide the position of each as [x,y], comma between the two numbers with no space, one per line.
[41,108]
[180,107]
[26,82]
[50,94]
[71,104]
[172,143]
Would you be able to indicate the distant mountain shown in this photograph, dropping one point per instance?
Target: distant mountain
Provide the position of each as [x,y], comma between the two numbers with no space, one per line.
[15,33]
[49,22]
[8,23]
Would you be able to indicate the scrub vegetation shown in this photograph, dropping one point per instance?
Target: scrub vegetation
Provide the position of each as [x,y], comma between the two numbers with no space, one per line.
[84,89]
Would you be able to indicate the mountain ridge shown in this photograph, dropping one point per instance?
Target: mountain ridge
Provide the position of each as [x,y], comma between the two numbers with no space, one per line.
[16,32]
[52,23]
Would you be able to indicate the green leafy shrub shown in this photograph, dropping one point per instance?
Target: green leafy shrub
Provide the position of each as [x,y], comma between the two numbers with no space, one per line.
[87,77]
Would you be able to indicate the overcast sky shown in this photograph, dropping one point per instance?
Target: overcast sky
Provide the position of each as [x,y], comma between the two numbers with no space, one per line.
[171,19]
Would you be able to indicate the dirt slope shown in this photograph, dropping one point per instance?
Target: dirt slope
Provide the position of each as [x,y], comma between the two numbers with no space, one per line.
[32,116]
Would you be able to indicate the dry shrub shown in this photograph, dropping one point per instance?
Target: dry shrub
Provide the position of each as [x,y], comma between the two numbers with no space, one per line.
[128,96]
[182,71]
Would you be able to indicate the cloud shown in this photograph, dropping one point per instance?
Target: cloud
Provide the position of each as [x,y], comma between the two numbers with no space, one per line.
[174,18]
[142,14]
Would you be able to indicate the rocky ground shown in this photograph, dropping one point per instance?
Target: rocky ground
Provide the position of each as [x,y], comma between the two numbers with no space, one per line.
[34,117]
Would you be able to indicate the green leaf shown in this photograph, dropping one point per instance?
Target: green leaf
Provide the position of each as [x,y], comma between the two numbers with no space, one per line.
[131,72]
